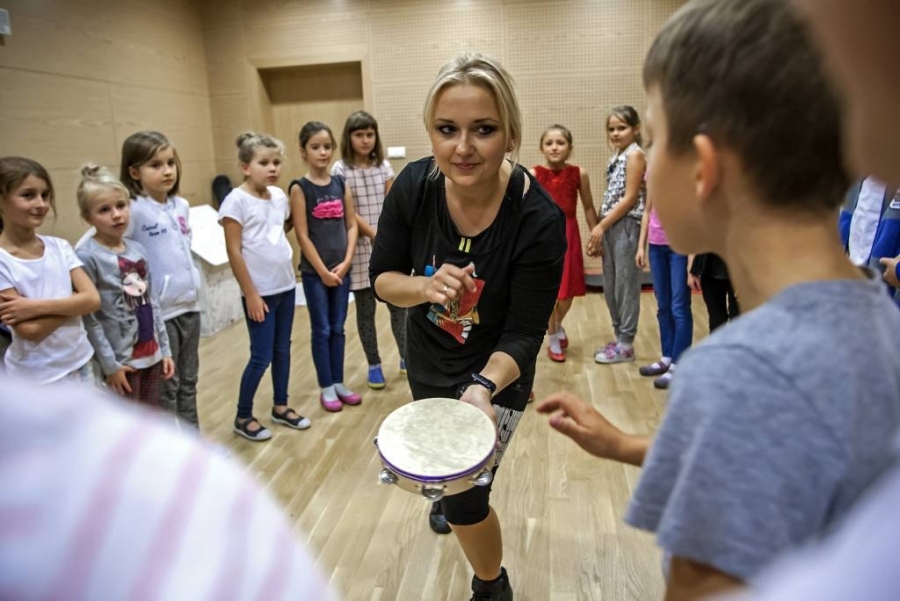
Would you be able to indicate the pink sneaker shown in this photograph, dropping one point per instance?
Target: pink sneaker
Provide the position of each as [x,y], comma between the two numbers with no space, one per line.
[350,399]
[332,406]
[614,354]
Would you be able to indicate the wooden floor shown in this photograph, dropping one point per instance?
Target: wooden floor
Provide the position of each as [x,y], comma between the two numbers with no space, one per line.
[561,509]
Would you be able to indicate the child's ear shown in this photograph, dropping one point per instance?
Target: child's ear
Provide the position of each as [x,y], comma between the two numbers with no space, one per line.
[134,174]
[707,167]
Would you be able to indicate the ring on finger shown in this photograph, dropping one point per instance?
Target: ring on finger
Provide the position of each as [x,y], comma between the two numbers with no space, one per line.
[446,287]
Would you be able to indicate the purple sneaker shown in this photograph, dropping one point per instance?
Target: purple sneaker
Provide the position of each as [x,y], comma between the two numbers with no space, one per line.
[614,354]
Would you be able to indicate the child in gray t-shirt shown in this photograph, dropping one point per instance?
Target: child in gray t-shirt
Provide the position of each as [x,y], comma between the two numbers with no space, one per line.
[128,334]
[781,420]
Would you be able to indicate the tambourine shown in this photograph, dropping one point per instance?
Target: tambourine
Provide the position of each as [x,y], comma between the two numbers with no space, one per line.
[437,447]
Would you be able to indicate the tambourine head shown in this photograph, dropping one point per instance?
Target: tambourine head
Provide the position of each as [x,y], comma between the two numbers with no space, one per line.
[437,448]
[387,476]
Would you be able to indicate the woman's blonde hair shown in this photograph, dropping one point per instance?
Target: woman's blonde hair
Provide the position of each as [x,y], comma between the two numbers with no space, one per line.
[486,72]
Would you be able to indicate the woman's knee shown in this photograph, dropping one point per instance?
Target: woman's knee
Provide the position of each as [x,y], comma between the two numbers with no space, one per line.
[469,507]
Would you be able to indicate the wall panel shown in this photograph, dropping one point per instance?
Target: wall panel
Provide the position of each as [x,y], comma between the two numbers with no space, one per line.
[78,76]
[573,60]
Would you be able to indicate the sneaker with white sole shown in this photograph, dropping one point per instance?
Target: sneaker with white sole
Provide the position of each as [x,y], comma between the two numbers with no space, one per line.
[297,422]
[614,354]
[242,428]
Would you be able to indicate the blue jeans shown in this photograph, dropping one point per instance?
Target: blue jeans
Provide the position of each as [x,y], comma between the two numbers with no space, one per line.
[270,344]
[327,313]
[673,298]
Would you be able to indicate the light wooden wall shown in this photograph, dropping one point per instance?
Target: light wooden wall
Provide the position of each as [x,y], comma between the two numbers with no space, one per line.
[572,59]
[77,78]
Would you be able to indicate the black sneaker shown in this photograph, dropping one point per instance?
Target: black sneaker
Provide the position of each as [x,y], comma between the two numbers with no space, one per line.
[493,590]
[243,428]
[437,520]
[291,419]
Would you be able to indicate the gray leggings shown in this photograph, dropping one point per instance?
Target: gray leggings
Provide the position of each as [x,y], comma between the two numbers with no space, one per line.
[621,277]
[365,324]
[179,394]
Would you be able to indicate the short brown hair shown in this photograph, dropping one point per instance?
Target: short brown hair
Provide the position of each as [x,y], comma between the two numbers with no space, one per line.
[747,74]
[355,122]
[15,170]
[137,149]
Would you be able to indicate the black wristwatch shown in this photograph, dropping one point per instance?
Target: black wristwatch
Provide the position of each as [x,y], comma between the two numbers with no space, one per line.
[481,381]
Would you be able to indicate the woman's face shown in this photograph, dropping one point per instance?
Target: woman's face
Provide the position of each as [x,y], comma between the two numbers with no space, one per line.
[467,135]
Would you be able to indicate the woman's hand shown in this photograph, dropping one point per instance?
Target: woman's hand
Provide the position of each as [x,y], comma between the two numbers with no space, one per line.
[16,309]
[595,242]
[480,397]
[118,381]
[257,308]
[448,283]
[640,258]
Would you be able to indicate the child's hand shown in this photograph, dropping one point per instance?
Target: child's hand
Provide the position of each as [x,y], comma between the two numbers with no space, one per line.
[331,279]
[118,381]
[890,270]
[16,309]
[640,259]
[693,282]
[342,269]
[168,368]
[582,423]
[595,242]
[257,308]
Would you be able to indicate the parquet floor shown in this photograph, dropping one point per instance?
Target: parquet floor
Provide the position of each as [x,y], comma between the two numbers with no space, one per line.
[560,509]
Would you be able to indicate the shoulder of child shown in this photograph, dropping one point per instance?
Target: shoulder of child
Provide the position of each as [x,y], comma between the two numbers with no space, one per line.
[135,247]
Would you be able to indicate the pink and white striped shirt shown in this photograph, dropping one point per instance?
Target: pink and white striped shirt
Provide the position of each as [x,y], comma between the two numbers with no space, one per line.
[101,500]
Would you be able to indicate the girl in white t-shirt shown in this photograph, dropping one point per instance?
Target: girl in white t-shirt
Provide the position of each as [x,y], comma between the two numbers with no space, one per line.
[255,216]
[43,289]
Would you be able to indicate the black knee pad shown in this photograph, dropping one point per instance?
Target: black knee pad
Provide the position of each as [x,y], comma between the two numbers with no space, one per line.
[469,507]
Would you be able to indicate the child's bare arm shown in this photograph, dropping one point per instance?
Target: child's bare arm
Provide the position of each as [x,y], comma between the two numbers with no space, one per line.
[587,200]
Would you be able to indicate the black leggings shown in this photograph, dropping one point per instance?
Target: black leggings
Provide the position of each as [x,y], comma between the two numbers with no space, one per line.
[473,506]
[721,303]
[365,325]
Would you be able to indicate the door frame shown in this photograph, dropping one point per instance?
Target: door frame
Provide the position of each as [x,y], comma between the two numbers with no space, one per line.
[261,108]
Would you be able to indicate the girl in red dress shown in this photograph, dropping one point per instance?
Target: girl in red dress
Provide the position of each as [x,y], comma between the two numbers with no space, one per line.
[565,183]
